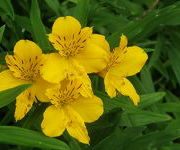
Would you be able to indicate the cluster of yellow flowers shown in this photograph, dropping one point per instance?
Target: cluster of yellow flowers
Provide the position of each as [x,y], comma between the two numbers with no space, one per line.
[61,78]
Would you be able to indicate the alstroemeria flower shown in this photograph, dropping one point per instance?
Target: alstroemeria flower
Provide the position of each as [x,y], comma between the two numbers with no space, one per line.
[79,52]
[24,68]
[123,62]
[70,110]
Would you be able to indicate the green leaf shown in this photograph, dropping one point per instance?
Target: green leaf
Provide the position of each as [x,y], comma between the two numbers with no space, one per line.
[123,102]
[174,146]
[149,141]
[174,57]
[2,28]
[23,22]
[138,84]
[156,53]
[74,1]
[147,50]
[169,107]
[160,67]
[110,104]
[81,11]
[29,138]
[146,79]
[10,95]
[118,139]
[54,5]
[149,99]
[38,28]
[140,118]
[6,6]
[142,28]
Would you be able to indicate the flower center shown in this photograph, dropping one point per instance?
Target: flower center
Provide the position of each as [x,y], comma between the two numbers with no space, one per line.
[72,44]
[117,57]
[24,69]
[64,95]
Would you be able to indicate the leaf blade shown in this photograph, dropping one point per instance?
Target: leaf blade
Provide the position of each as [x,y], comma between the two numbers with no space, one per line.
[25,137]
[10,95]
[38,28]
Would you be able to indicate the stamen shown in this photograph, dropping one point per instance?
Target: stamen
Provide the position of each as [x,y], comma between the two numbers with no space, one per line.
[79,39]
[84,41]
[79,86]
[60,44]
[59,37]
[14,57]
[72,45]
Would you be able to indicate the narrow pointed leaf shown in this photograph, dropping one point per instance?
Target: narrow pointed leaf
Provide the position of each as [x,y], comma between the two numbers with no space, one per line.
[2,28]
[38,28]
[10,95]
[29,138]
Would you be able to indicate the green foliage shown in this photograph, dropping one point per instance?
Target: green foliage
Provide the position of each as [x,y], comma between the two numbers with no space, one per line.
[1,32]
[7,8]
[153,124]
[38,29]
[25,137]
[9,95]
[81,11]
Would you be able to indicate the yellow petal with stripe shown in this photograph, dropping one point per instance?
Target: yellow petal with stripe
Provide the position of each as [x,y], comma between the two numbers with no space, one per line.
[7,80]
[76,127]
[24,103]
[131,61]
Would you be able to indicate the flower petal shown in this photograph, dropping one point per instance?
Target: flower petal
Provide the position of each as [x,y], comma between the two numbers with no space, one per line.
[77,72]
[64,26]
[93,58]
[54,39]
[24,103]
[40,88]
[54,121]
[26,49]
[90,109]
[129,90]
[123,42]
[131,62]
[7,80]
[125,87]
[76,127]
[100,40]
[54,68]
[110,89]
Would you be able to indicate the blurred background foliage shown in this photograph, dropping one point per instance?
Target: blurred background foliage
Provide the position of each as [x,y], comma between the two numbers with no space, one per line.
[151,24]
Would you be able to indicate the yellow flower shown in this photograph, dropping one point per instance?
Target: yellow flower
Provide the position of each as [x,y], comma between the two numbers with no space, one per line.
[70,110]
[123,62]
[24,68]
[79,52]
